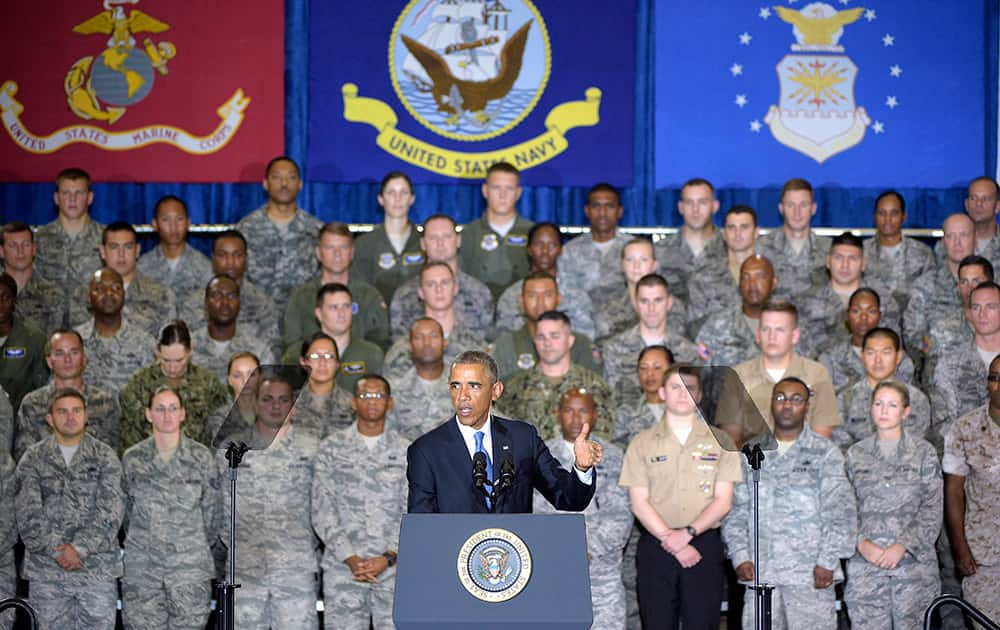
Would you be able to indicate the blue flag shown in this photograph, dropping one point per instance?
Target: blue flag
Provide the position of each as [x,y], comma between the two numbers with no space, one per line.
[444,88]
[878,94]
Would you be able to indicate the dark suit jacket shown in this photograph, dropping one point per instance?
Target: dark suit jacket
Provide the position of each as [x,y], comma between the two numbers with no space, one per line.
[439,471]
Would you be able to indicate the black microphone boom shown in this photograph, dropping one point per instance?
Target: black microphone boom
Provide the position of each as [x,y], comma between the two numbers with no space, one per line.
[479,479]
[506,479]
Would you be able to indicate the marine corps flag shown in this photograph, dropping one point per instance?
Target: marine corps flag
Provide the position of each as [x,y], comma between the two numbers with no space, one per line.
[141,90]
[852,93]
[445,88]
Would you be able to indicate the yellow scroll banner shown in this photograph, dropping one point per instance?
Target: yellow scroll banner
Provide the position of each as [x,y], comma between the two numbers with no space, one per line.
[470,165]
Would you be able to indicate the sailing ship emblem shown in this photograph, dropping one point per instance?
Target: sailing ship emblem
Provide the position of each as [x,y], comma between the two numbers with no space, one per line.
[469,69]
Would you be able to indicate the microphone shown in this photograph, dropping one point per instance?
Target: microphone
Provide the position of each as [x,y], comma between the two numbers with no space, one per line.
[506,479]
[479,479]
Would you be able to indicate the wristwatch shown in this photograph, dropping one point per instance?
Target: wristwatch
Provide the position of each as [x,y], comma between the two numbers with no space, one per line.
[691,531]
[390,558]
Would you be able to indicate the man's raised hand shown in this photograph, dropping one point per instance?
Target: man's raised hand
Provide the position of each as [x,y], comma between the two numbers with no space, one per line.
[587,451]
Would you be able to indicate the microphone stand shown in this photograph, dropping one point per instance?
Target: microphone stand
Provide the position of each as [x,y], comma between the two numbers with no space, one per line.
[225,592]
[505,481]
[762,592]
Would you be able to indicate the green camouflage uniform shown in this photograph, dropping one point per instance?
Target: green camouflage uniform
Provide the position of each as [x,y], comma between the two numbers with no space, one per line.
[530,396]
[103,416]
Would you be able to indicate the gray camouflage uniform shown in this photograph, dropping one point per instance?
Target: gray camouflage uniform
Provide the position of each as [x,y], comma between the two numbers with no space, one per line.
[898,271]
[515,352]
[112,360]
[257,311]
[173,512]
[274,528]
[369,320]
[844,364]
[8,538]
[358,499]
[191,273]
[583,266]
[609,520]
[575,303]
[854,406]
[145,299]
[678,263]
[8,431]
[808,518]
[990,250]
[933,296]
[823,316]
[43,302]
[621,353]
[957,387]
[397,358]
[68,260]
[280,259]
[473,306]
[794,270]
[632,417]
[530,396]
[103,416]
[728,336]
[214,356]
[420,405]
[322,415]
[81,504]
[711,290]
[614,312]
[900,500]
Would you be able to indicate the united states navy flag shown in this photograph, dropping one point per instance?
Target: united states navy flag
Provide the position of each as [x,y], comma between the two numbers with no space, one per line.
[869,94]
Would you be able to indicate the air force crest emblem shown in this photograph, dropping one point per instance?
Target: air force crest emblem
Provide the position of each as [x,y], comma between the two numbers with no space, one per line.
[817,114]
[494,565]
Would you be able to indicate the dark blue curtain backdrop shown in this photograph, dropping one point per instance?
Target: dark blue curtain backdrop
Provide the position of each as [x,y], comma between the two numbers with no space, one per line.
[645,206]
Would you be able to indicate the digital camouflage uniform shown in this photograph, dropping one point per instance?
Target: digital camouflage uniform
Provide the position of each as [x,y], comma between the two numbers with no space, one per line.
[609,520]
[808,518]
[933,296]
[621,353]
[322,415]
[514,352]
[103,416]
[711,290]
[369,320]
[947,333]
[8,538]
[174,512]
[584,266]
[614,312]
[214,356]
[43,302]
[823,316]
[842,360]
[112,360]
[7,423]
[397,358]
[81,504]
[900,500]
[358,499]
[631,417]
[280,258]
[678,262]
[856,423]
[421,405]
[68,260]
[22,360]
[990,250]
[898,270]
[190,272]
[201,391]
[378,262]
[497,261]
[274,529]
[728,337]
[795,271]
[957,387]
[473,306]
[146,301]
[529,395]
[574,302]
[257,311]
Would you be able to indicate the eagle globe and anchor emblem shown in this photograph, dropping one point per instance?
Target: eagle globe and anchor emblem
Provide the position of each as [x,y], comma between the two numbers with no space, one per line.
[469,70]
[817,114]
[494,565]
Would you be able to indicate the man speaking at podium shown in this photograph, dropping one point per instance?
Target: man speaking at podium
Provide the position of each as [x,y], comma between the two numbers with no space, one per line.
[478,462]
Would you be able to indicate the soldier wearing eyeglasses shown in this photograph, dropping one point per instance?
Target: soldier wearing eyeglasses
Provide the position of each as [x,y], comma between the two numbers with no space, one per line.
[323,405]
[358,498]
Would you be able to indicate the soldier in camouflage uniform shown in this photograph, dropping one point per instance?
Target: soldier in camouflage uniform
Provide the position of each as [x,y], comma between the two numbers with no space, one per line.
[174,262]
[533,395]
[807,519]
[335,253]
[697,245]
[8,538]
[422,391]
[514,351]
[972,497]
[7,430]
[173,511]
[716,287]
[201,390]
[608,516]
[22,347]
[881,357]
[895,260]
[273,518]
[544,249]
[796,253]
[593,259]
[842,357]
[242,366]
[730,334]
[494,246]
[115,347]
[323,405]
[952,329]
[982,204]
[67,358]
[897,482]
[38,299]
[619,352]
[390,254]
[146,300]
[473,304]
[257,310]
[280,235]
[67,247]
[223,337]
[358,498]
[69,506]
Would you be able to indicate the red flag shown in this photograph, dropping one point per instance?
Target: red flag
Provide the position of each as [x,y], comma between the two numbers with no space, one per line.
[141,90]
